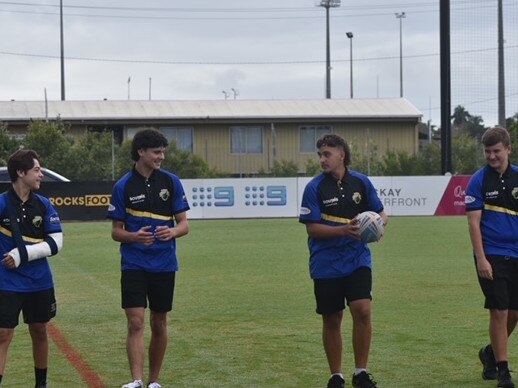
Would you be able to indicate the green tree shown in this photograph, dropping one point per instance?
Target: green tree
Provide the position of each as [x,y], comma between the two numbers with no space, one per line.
[430,159]
[284,168]
[464,123]
[467,155]
[94,151]
[7,144]
[123,161]
[367,163]
[312,167]
[54,146]
[187,165]
[401,163]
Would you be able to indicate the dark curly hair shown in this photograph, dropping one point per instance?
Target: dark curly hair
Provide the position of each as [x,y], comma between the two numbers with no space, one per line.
[147,138]
[336,141]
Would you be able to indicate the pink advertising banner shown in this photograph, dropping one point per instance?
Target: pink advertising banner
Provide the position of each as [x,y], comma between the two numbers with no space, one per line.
[452,201]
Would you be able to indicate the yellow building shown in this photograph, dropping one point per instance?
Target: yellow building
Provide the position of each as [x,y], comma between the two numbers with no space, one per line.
[240,137]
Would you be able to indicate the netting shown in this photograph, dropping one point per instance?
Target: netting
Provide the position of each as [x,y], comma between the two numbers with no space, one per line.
[474,57]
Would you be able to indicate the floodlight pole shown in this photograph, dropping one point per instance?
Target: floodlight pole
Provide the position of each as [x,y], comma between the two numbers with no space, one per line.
[62,50]
[350,36]
[400,16]
[446,161]
[328,4]
[501,67]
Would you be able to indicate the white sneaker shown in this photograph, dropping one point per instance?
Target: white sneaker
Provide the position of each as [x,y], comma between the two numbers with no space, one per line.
[135,384]
[154,385]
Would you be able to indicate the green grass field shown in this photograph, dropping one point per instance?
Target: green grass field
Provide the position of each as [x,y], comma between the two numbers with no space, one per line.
[244,309]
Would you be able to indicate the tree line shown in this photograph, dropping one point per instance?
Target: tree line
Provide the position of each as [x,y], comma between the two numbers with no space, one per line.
[95,157]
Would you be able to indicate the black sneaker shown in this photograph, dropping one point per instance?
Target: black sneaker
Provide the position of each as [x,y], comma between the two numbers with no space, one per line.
[504,379]
[336,382]
[363,380]
[487,358]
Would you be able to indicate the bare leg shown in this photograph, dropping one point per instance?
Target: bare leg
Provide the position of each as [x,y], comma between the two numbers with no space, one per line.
[6,336]
[158,344]
[40,344]
[498,333]
[135,341]
[332,338]
[362,331]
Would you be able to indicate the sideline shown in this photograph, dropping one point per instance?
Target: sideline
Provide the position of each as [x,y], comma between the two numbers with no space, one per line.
[92,379]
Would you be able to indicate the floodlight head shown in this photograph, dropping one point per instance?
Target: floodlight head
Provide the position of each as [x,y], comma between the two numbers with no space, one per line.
[349,34]
[330,3]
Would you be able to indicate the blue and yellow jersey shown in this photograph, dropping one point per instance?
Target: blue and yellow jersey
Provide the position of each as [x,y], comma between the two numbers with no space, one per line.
[140,202]
[496,195]
[37,218]
[329,201]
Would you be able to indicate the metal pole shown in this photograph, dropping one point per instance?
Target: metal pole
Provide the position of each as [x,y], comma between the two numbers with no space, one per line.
[400,16]
[62,50]
[446,164]
[350,36]
[501,67]
[328,56]
[328,4]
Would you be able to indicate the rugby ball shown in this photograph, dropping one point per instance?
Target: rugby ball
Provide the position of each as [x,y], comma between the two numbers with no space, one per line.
[370,226]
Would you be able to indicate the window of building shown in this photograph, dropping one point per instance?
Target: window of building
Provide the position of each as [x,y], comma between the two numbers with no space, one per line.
[182,136]
[246,140]
[309,134]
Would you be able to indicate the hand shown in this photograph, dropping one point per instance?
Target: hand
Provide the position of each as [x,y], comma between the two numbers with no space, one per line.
[8,261]
[351,229]
[484,268]
[163,233]
[145,236]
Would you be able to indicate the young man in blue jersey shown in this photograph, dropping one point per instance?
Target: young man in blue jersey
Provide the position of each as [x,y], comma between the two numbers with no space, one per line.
[340,264]
[148,212]
[30,231]
[492,211]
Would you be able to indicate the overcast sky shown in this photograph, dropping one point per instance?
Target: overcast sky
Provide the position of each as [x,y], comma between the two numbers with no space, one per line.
[199,49]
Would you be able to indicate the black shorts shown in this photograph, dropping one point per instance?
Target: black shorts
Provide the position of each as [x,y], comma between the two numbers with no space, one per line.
[332,294]
[139,287]
[501,293]
[37,307]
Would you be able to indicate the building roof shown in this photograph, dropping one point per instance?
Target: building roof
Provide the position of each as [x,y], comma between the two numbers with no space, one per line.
[395,108]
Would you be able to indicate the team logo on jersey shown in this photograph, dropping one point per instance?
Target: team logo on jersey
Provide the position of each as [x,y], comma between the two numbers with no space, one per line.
[469,199]
[514,193]
[304,211]
[491,194]
[37,221]
[164,194]
[330,202]
[357,197]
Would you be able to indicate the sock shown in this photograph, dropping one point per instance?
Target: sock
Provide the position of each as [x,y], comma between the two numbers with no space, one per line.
[502,366]
[359,370]
[338,374]
[41,376]
[489,351]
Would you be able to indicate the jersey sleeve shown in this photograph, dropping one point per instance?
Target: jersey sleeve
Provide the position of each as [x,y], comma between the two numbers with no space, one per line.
[474,193]
[180,203]
[374,202]
[117,207]
[310,208]
[52,222]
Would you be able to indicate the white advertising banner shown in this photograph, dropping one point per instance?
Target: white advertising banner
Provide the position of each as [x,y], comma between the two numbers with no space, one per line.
[410,196]
[241,198]
[281,197]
